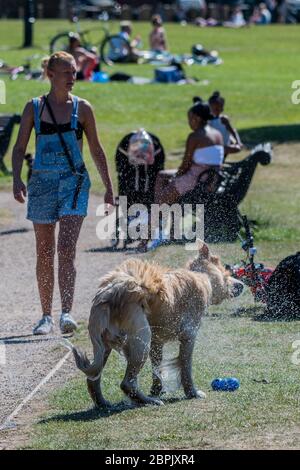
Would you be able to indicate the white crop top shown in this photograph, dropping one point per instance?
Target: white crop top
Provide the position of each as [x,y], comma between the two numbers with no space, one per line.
[216,123]
[213,155]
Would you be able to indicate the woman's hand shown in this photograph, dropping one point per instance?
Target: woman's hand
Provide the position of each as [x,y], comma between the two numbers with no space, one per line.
[233,148]
[109,197]
[19,190]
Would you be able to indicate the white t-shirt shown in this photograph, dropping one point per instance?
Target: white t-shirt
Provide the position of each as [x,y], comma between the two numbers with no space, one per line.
[216,123]
[118,49]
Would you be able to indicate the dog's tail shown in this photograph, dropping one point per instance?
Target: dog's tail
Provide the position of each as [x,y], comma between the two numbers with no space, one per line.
[98,323]
[92,370]
[110,300]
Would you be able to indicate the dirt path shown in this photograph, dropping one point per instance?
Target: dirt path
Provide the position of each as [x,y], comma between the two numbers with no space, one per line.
[24,359]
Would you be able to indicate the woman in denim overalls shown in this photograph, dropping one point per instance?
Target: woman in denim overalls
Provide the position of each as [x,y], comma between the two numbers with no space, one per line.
[59,186]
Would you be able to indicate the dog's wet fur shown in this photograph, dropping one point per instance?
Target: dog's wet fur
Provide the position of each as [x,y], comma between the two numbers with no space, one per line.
[139,307]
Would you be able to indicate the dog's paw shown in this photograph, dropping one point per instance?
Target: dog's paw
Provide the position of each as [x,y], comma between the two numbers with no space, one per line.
[155,401]
[102,404]
[196,394]
[151,401]
[147,401]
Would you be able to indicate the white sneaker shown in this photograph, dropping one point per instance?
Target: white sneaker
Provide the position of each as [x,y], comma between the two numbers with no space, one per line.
[67,323]
[44,326]
[162,239]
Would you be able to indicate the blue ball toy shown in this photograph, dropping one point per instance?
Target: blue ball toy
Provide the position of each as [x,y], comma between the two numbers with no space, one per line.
[232,384]
[217,384]
[228,384]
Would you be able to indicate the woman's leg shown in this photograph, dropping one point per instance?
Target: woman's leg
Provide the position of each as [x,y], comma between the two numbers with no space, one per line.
[165,191]
[69,229]
[45,251]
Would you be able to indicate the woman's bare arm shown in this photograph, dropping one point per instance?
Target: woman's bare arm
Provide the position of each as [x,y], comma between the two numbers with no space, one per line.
[233,148]
[225,120]
[19,150]
[188,155]
[96,149]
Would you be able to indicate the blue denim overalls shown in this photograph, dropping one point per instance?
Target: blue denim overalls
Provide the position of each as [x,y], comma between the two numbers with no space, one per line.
[52,184]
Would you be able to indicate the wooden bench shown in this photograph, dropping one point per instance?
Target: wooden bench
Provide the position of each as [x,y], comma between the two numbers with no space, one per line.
[220,192]
[7,122]
[223,191]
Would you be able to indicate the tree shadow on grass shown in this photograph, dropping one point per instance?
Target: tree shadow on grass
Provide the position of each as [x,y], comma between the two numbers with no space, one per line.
[251,311]
[94,414]
[91,414]
[278,134]
[111,249]
[14,231]
[259,313]
[266,317]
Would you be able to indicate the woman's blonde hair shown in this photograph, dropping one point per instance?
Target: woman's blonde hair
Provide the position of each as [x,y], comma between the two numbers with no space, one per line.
[59,57]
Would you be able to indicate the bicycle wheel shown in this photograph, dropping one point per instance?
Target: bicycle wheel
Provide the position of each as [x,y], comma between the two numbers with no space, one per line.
[60,42]
[115,49]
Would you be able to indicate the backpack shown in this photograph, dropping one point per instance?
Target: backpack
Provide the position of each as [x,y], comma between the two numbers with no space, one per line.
[283,289]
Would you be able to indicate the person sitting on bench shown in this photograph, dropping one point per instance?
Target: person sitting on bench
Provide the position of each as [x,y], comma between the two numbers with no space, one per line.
[232,141]
[204,150]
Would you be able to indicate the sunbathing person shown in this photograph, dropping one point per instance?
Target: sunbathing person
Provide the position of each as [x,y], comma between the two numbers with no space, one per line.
[86,61]
[123,48]
[236,19]
[231,138]
[261,15]
[157,37]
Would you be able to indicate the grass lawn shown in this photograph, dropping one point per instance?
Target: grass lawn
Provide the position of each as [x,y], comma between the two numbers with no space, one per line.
[259,67]
[263,413]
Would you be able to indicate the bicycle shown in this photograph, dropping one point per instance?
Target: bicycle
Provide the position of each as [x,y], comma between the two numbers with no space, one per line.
[111,48]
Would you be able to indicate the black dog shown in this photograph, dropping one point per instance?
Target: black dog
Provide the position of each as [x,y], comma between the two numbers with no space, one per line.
[283,291]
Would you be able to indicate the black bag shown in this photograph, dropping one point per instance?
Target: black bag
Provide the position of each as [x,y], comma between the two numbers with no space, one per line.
[283,290]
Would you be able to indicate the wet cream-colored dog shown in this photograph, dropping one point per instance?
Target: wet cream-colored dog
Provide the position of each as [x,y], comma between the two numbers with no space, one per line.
[139,307]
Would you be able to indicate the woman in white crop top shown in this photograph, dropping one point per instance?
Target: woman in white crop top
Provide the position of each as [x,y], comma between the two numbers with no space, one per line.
[204,149]
[232,141]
